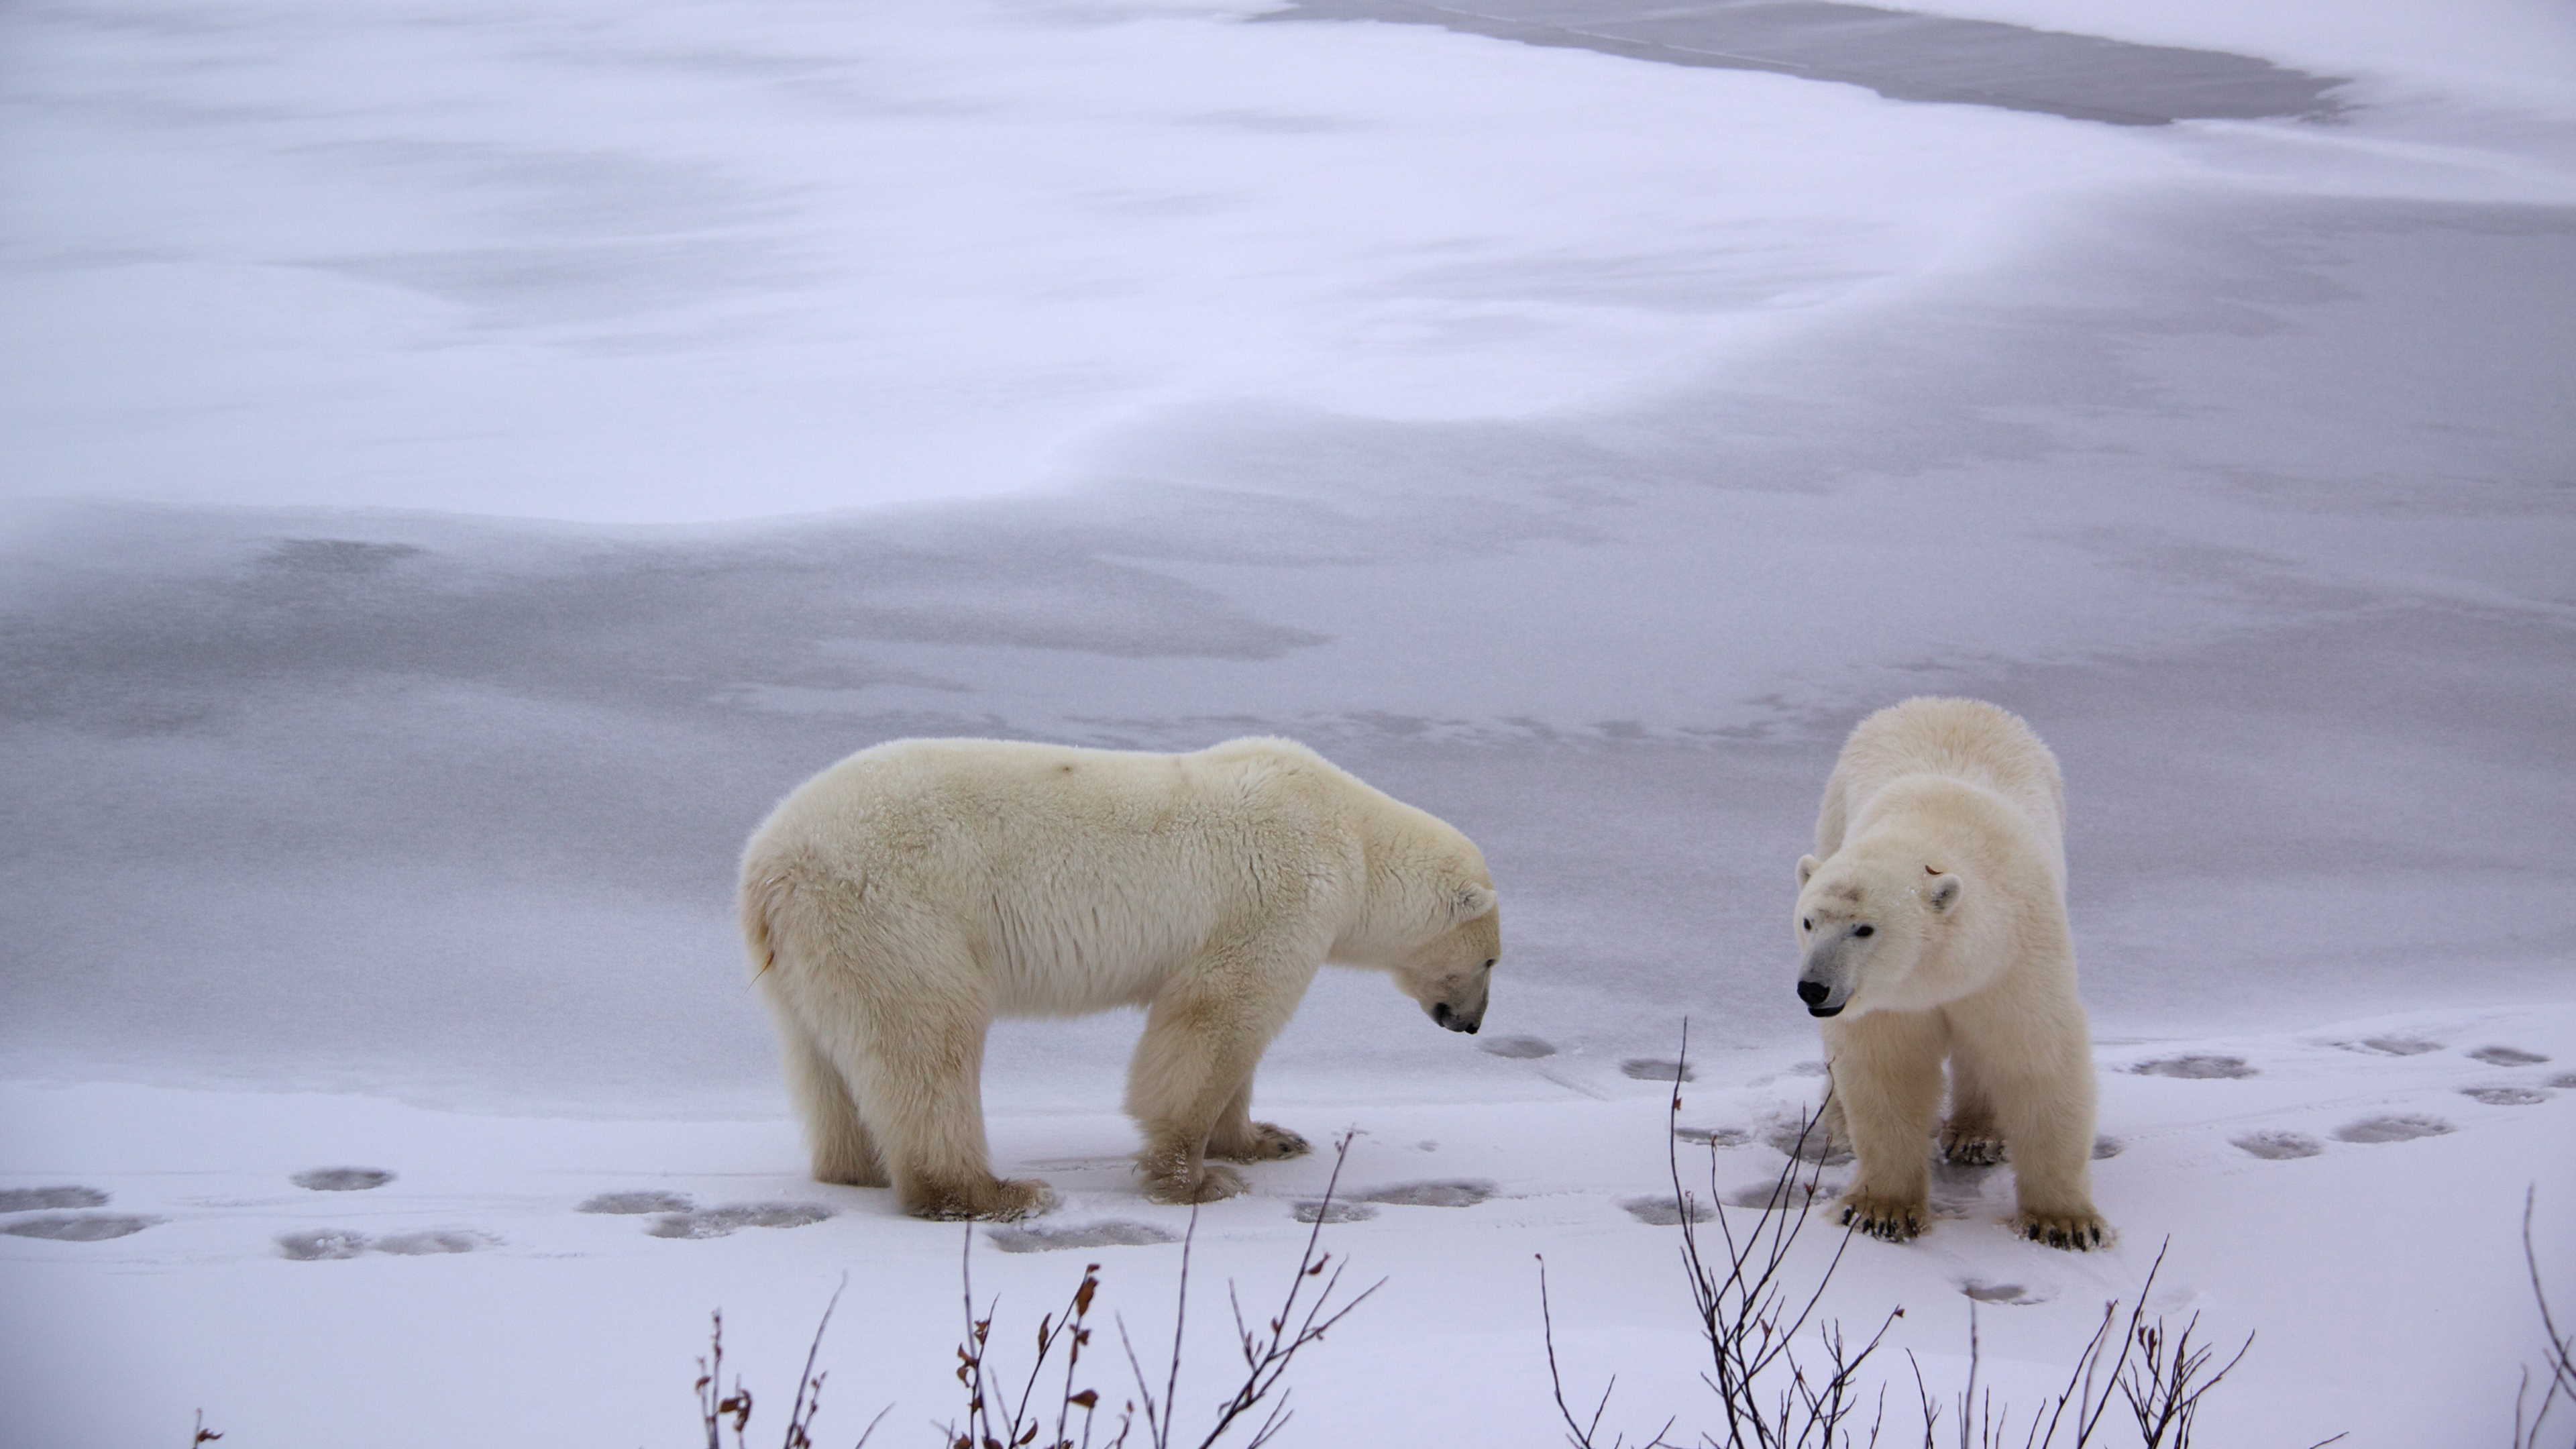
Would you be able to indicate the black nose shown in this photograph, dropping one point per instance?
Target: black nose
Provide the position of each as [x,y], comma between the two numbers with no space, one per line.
[1812,992]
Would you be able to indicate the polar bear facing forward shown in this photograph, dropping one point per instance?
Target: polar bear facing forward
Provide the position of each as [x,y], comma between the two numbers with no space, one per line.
[897,902]
[1932,925]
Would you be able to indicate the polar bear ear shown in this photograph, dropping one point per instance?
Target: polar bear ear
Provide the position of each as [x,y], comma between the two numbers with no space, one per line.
[1941,893]
[1470,901]
[1806,867]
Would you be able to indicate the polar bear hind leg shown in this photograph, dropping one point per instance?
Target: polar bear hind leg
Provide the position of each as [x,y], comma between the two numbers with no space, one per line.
[835,1133]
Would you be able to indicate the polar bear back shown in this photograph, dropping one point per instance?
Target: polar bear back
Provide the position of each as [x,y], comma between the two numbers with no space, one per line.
[1966,740]
[1074,879]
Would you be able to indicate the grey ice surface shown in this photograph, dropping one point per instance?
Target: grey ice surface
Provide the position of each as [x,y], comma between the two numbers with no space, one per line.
[1899,54]
[2258,508]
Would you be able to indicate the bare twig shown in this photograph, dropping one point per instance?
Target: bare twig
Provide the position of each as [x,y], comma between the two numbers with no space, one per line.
[2558,1360]
[204,1435]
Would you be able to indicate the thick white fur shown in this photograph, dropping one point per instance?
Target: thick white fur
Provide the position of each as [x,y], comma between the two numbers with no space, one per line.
[897,902]
[1932,922]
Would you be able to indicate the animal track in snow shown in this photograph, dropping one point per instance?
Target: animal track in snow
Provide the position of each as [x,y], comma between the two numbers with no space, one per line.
[1768,1195]
[2195,1068]
[2563,1079]
[1784,1139]
[1339,1212]
[1662,1212]
[342,1179]
[1656,1069]
[716,1222]
[77,1227]
[2012,1293]
[2506,1096]
[2392,1129]
[317,1245]
[1520,1048]
[1714,1136]
[1048,1237]
[2505,1056]
[2280,1146]
[637,1202]
[2106,1148]
[28,1199]
[1430,1194]
[2391,1046]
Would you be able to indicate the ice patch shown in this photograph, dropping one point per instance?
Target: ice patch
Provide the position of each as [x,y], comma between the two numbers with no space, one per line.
[77,1227]
[2280,1146]
[2195,1068]
[1519,1048]
[1808,1146]
[1656,1069]
[1048,1237]
[2393,1129]
[638,1202]
[1339,1212]
[1769,1196]
[719,1221]
[342,1179]
[2391,1046]
[2016,1294]
[28,1199]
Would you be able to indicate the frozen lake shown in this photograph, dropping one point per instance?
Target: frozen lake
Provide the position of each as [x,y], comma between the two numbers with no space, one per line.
[465,462]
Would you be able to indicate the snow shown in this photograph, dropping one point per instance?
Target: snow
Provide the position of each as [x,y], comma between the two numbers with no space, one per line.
[465,463]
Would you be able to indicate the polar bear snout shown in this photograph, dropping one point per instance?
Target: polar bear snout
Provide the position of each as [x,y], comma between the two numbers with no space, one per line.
[1817,996]
[1448,1016]
[1826,978]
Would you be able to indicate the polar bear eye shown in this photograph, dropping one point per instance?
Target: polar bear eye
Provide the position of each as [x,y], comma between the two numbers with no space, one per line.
[1489,962]
[1864,930]
[1806,923]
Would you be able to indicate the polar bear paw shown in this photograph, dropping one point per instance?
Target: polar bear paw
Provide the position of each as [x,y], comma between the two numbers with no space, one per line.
[1260,1142]
[992,1200]
[1966,1144]
[2076,1231]
[1883,1218]
[1211,1184]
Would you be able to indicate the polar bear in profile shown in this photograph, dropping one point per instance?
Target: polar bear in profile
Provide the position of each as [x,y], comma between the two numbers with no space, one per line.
[897,902]
[1932,925]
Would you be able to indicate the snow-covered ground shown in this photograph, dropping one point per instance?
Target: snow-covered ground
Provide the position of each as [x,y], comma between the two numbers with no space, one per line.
[464,462]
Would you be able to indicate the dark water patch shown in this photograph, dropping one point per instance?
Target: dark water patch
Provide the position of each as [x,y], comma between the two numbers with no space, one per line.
[1656,1069]
[2196,1068]
[637,1202]
[1337,1212]
[2279,1146]
[1664,1212]
[1714,1136]
[2403,1128]
[77,1227]
[2506,1096]
[2505,1056]
[29,1199]
[342,1179]
[1430,1194]
[717,1222]
[1519,1048]
[1049,1237]
[1900,54]
[319,1245]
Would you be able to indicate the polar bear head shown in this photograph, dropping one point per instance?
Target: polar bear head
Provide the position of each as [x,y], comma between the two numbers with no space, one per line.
[1451,971]
[1867,924]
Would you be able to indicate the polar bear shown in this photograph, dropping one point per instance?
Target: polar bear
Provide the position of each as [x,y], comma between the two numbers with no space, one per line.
[897,902]
[1932,924]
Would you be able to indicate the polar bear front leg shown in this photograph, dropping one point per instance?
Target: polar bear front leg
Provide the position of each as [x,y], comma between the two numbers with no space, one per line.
[1886,1070]
[1237,1138]
[1970,1138]
[1193,1071]
[2049,1122]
